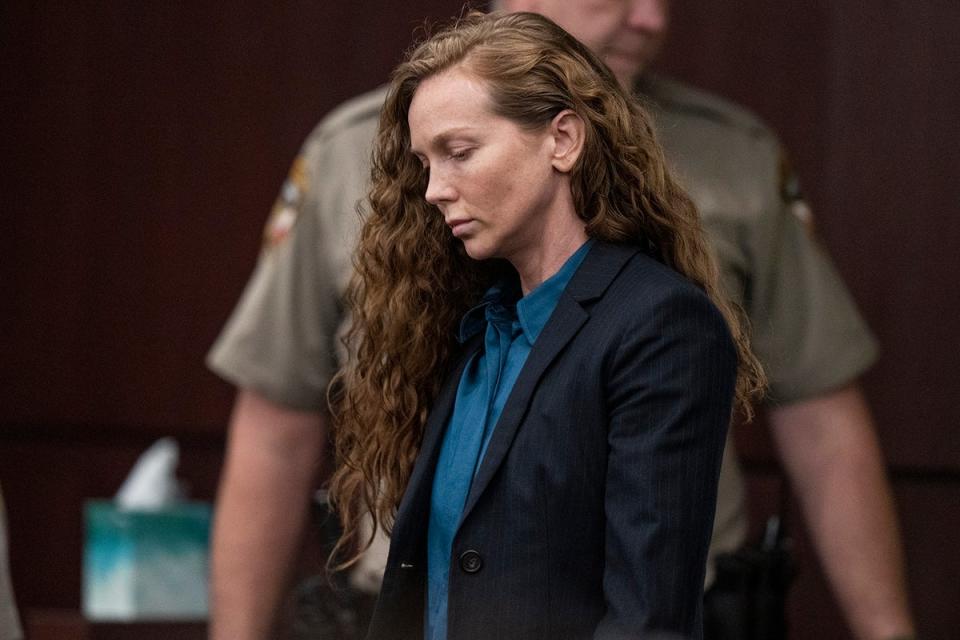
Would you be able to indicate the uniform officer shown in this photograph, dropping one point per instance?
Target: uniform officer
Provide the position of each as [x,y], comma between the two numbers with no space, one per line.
[278,347]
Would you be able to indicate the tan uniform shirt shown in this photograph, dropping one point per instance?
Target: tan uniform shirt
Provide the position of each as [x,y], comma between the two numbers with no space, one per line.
[806,330]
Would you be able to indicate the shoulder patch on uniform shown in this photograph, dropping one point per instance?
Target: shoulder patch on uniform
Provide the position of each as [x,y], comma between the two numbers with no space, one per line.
[287,206]
[792,195]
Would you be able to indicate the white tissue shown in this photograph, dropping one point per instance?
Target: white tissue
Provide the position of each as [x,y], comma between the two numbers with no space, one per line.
[152,483]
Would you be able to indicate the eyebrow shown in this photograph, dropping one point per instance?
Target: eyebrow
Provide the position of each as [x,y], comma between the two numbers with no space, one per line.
[442,139]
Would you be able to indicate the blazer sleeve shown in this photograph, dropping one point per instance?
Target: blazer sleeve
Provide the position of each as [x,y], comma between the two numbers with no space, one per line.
[669,396]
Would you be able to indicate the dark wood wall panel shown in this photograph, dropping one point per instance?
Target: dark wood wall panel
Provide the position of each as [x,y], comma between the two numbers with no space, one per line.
[148,142]
[930,520]
[143,145]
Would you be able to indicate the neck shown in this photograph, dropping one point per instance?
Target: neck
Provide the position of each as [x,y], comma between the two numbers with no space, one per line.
[544,259]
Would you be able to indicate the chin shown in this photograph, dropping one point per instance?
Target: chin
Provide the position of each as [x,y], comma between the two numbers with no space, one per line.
[477,254]
[477,251]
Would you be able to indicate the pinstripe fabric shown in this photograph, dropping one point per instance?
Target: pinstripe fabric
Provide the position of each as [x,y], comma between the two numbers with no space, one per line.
[592,510]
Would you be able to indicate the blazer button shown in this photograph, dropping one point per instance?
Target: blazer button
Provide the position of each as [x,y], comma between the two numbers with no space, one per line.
[470,561]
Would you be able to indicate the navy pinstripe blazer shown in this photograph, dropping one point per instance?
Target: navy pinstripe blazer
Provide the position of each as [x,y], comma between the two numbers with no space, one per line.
[591,513]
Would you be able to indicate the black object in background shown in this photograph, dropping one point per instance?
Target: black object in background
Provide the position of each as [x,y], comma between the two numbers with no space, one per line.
[326,606]
[748,599]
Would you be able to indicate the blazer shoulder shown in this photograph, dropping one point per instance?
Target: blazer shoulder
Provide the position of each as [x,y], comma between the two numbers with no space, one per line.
[648,293]
[652,280]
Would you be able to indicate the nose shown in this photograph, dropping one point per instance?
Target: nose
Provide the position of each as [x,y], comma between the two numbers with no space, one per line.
[439,189]
[650,16]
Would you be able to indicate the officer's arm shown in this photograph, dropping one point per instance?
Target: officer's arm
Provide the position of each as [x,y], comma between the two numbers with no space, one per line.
[262,510]
[830,450]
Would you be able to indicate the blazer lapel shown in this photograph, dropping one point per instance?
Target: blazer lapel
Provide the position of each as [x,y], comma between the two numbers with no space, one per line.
[414,510]
[595,274]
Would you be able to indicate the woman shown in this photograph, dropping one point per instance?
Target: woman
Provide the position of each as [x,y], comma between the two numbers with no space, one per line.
[543,369]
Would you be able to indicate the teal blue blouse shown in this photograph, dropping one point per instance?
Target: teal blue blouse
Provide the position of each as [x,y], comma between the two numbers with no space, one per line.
[511,324]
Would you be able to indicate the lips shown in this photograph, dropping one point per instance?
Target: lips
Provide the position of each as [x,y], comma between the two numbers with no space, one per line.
[459,225]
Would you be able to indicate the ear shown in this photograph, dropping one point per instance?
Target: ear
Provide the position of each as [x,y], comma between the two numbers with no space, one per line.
[567,130]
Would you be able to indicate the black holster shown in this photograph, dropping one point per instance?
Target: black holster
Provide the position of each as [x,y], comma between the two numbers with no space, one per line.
[748,598]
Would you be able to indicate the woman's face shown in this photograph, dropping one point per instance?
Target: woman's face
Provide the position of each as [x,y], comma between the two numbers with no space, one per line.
[494,182]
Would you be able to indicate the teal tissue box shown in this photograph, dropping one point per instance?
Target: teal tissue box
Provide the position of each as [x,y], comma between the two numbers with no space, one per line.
[146,564]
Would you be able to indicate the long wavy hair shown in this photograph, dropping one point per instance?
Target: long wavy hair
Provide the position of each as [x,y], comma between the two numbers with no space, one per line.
[413,280]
